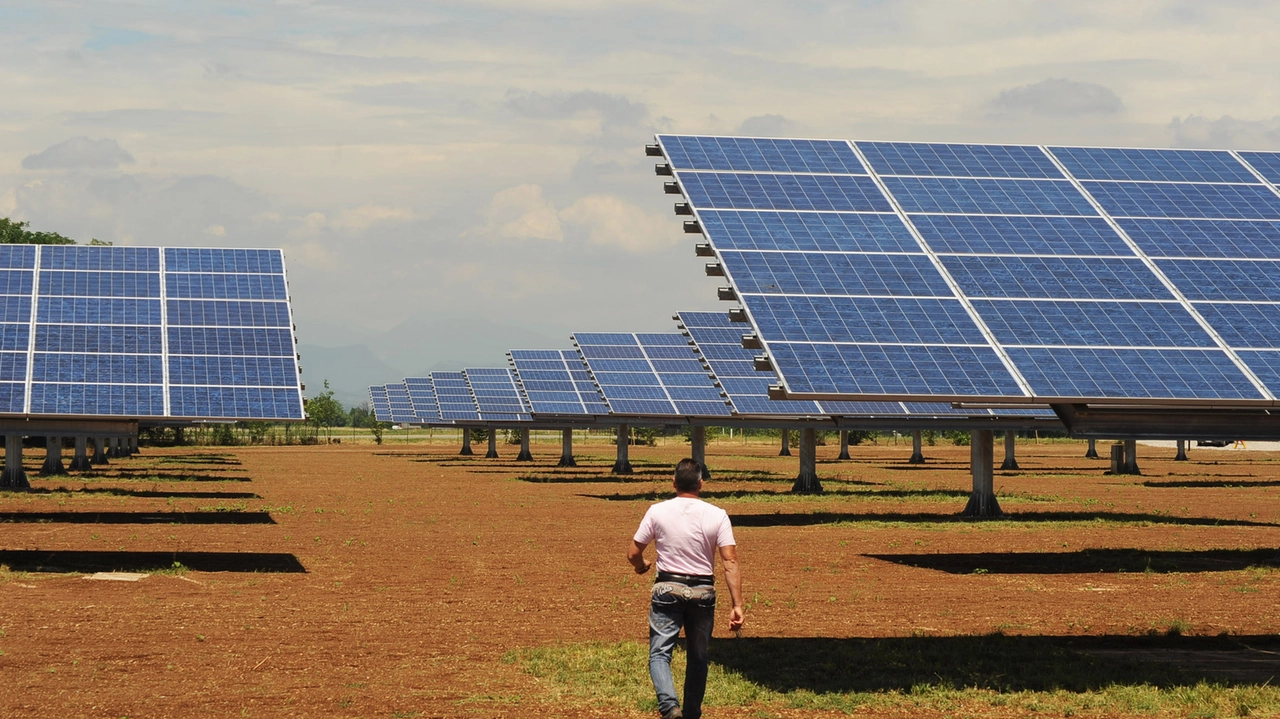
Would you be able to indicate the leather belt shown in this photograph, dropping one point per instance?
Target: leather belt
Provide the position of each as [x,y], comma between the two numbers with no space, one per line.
[692,580]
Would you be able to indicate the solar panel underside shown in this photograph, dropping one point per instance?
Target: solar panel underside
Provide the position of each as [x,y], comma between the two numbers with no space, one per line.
[422,397]
[453,396]
[555,382]
[141,332]
[497,395]
[401,407]
[719,342]
[998,272]
[378,400]
[650,374]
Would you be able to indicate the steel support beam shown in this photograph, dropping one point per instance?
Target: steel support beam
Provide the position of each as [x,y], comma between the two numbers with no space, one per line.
[807,482]
[917,456]
[525,455]
[13,477]
[52,466]
[623,463]
[566,449]
[1010,440]
[982,501]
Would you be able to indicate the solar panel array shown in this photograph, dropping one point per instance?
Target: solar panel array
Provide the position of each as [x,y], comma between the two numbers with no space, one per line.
[422,397]
[378,400]
[556,382]
[401,406]
[453,396]
[497,396]
[998,272]
[650,374]
[141,332]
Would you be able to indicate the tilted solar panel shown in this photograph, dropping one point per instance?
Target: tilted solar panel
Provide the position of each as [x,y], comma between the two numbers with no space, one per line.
[556,382]
[453,396]
[497,394]
[145,332]
[378,400]
[650,374]
[401,407]
[998,272]
[422,397]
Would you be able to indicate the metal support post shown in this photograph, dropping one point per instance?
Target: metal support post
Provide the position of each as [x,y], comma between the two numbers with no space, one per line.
[52,458]
[525,455]
[1093,450]
[14,477]
[807,482]
[844,444]
[566,450]
[1182,451]
[1131,457]
[99,450]
[698,448]
[1010,438]
[493,444]
[466,443]
[80,461]
[917,456]
[982,502]
[786,443]
[1117,458]
[623,464]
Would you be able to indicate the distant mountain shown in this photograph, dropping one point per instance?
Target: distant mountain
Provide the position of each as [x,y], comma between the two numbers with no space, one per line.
[350,370]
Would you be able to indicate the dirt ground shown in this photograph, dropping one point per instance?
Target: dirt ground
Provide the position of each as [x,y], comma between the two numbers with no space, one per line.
[361,581]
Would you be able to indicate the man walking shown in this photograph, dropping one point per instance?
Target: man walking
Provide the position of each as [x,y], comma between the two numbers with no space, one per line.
[687,532]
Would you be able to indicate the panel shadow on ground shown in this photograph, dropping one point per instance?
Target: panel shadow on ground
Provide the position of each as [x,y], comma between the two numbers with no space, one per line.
[70,561]
[1090,561]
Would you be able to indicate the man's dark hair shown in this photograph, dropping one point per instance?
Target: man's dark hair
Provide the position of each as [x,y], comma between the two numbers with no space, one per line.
[688,475]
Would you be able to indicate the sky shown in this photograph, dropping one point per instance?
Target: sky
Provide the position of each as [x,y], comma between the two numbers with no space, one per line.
[451,180]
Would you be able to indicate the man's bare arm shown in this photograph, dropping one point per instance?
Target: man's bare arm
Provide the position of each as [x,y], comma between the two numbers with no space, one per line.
[733,577]
[635,555]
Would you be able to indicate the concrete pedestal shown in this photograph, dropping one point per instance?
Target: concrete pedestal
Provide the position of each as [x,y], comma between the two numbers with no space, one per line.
[807,482]
[99,450]
[786,443]
[1182,451]
[1010,439]
[493,445]
[13,477]
[1131,457]
[982,501]
[466,443]
[623,464]
[1093,450]
[113,447]
[525,455]
[698,448]
[566,450]
[917,456]
[844,444]
[52,466]
[80,461]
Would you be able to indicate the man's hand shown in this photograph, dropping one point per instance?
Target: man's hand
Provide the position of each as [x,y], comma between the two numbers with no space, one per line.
[635,555]
[735,619]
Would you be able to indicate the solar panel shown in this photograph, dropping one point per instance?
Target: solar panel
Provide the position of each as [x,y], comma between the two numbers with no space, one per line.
[401,407]
[453,396]
[650,374]
[422,397]
[141,332]
[556,382]
[378,400]
[497,395]
[998,272]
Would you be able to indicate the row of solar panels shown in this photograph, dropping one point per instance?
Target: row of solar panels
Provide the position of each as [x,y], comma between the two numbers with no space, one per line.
[886,270]
[701,372]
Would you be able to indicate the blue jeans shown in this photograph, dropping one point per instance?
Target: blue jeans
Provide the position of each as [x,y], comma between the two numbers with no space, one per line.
[668,612]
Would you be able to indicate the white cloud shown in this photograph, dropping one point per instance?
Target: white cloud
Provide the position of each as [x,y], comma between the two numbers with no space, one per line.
[353,220]
[1226,131]
[1057,97]
[79,153]
[522,213]
[611,220]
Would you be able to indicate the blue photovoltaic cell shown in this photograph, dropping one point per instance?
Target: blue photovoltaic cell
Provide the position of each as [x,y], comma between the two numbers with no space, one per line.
[1107,324]
[228,341]
[1162,199]
[252,402]
[834,274]
[224,287]
[1247,280]
[108,339]
[16,308]
[1108,163]
[810,232]
[186,259]
[13,366]
[378,400]
[85,257]
[15,337]
[675,382]
[750,154]
[871,320]
[1266,163]
[1020,235]
[721,191]
[496,394]
[935,159]
[1055,277]
[226,313]
[17,257]
[454,396]
[97,311]
[12,395]
[401,407]
[101,399]
[423,399]
[1266,365]
[15,282]
[988,197]
[95,369]
[892,370]
[1129,373]
[1244,325]
[239,371]
[1239,239]
[99,284]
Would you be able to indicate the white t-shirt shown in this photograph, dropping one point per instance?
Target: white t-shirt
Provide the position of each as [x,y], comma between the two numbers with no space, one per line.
[688,532]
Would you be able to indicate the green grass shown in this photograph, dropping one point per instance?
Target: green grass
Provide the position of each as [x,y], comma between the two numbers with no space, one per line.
[1056,676]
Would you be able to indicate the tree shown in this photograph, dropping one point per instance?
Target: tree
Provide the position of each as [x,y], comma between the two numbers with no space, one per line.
[360,415]
[376,427]
[16,233]
[325,411]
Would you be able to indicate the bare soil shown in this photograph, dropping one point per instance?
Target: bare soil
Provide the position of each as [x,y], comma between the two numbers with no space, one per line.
[388,581]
